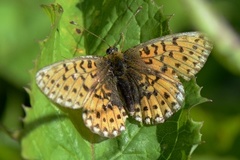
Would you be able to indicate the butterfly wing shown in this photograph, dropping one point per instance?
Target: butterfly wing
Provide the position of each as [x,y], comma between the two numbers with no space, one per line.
[184,53]
[68,83]
[164,59]
[84,83]
[104,113]
[157,96]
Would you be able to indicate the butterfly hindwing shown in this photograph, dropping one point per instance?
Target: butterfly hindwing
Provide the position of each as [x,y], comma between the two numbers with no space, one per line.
[103,111]
[161,96]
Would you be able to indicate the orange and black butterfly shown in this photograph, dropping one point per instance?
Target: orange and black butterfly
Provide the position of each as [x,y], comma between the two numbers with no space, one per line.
[141,82]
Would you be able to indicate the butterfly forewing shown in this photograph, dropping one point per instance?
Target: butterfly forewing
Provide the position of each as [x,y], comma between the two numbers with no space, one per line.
[68,81]
[185,53]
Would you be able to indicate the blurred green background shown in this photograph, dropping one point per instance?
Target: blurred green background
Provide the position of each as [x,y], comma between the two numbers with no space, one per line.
[23,24]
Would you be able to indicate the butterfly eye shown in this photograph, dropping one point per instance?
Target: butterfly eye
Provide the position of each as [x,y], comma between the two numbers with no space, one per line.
[111,50]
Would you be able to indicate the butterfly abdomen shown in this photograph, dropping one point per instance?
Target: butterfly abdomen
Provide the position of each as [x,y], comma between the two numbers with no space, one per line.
[126,80]
[129,92]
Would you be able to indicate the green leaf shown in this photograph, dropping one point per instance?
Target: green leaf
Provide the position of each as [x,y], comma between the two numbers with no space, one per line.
[54,132]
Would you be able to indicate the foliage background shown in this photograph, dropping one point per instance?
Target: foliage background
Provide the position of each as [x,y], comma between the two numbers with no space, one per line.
[23,24]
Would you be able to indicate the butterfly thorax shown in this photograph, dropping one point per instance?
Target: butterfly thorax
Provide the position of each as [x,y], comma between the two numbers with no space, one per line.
[117,65]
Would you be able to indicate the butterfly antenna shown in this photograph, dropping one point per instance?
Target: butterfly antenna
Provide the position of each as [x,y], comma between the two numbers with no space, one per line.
[121,38]
[121,33]
[93,34]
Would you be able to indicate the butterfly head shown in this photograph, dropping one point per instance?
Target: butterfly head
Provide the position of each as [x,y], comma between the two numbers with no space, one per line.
[111,50]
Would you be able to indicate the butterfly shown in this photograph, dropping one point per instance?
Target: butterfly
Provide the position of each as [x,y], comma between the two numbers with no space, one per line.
[142,82]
